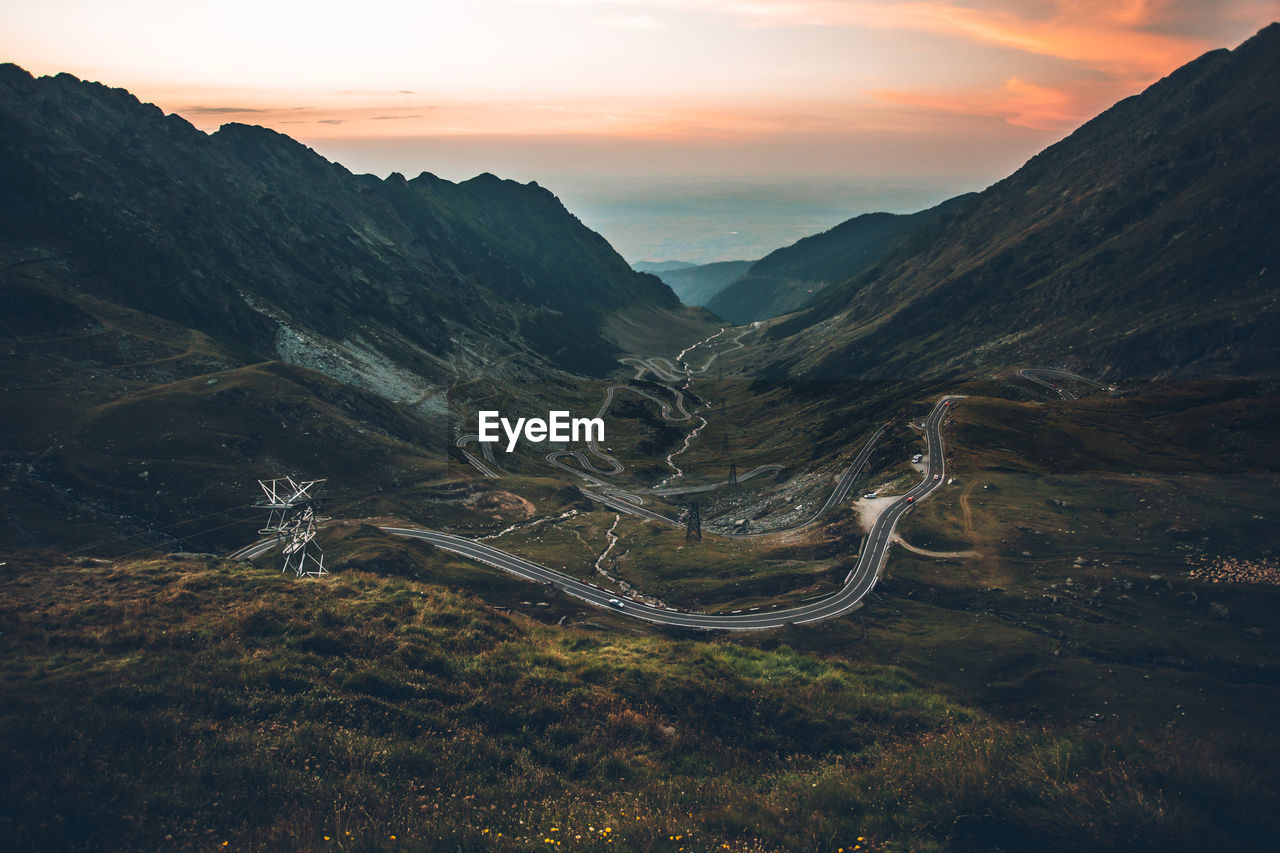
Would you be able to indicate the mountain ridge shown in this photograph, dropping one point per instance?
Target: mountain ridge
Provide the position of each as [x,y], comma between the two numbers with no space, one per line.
[1142,244]
[233,232]
[790,277]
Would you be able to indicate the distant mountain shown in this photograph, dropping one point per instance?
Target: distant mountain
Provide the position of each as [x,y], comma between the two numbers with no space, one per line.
[256,240]
[791,277]
[698,285]
[656,267]
[1146,243]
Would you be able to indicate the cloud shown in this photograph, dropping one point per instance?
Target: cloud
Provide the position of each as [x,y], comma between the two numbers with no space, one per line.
[1154,36]
[1018,102]
[222,111]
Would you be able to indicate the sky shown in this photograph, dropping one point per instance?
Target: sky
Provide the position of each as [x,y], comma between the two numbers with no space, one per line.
[950,93]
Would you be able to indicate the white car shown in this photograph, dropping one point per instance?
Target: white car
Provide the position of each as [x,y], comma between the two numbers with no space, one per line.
[937,476]
[613,602]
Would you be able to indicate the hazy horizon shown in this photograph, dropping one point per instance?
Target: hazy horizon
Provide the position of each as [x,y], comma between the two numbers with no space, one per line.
[674,214]
[719,201]
[726,219]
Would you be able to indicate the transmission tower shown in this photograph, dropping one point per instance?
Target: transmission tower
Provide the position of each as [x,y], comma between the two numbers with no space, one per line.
[693,523]
[733,473]
[293,521]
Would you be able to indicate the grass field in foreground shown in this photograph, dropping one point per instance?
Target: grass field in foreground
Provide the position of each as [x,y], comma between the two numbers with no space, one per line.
[199,704]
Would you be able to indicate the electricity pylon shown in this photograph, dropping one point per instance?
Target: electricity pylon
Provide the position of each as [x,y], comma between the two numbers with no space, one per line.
[293,521]
[693,523]
[733,473]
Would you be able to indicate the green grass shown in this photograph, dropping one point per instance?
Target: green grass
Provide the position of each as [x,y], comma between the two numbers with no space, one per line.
[184,704]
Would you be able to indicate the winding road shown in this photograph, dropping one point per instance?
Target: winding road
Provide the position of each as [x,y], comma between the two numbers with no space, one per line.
[1033,374]
[491,471]
[857,585]
[849,597]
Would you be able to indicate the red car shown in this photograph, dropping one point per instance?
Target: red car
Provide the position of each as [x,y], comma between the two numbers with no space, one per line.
[911,500]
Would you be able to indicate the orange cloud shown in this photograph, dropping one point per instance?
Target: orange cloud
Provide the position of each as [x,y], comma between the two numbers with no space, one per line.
[1101,33]
[636,118]
[1018,102]
[1109,48]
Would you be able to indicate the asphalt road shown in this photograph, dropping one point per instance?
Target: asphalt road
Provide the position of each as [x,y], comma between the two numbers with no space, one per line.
[621,504]
[484,469]
[708,487]
[257,549]
[858,584]
[1034,374]
[623,501]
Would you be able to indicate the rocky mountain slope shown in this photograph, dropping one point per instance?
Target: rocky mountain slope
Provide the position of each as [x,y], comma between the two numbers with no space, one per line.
[1147,243]
[791,277]
[182,313]
[254,239]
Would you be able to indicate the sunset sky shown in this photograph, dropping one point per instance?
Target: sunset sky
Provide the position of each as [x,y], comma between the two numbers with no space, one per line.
[960,90]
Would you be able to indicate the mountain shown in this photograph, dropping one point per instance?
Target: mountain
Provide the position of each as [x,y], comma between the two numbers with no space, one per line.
[656,267]
[698,285]
[791,277]
[257,241]
[1147,243]
[183,313]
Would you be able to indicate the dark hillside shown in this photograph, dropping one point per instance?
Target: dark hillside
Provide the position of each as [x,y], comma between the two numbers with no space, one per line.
[247,234]
[791,277]
[1146,243]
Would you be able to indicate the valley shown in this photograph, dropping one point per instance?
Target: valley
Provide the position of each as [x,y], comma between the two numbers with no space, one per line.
[1078,634]
[950,530]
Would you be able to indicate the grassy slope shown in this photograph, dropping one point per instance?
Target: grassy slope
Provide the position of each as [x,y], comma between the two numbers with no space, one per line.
[188,703]
[127,425]
[972,703]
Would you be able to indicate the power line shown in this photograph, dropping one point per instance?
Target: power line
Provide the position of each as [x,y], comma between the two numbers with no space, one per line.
[155,530]
[189,535]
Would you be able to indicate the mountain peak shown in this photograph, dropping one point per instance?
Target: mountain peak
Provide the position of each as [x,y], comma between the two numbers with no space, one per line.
[256,240]
[11,72]
[1145,243]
